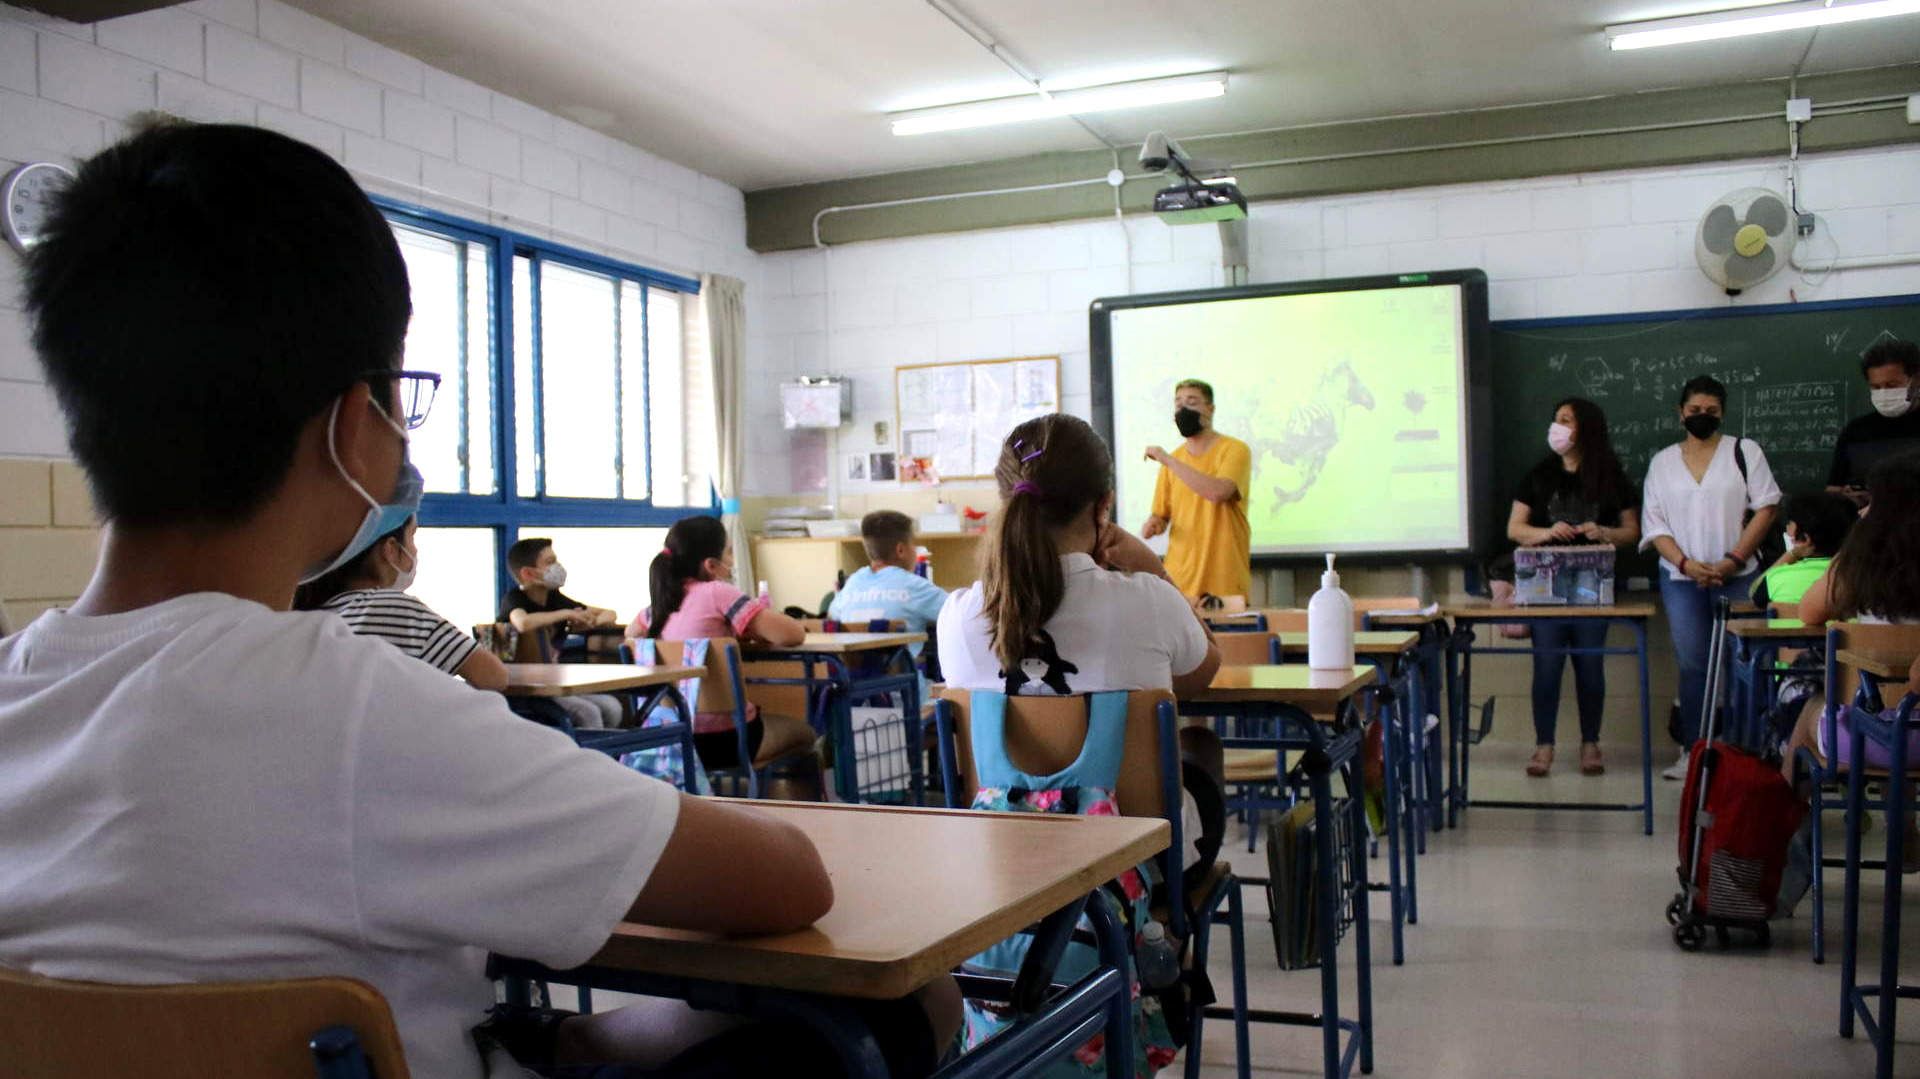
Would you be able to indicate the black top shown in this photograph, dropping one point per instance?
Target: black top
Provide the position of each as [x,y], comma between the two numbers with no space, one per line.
[1867,441]
[1552,494]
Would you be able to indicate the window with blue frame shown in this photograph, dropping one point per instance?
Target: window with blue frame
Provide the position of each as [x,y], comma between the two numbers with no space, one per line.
[569,407]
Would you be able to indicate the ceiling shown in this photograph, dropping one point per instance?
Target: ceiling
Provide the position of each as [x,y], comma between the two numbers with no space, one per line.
[768,93]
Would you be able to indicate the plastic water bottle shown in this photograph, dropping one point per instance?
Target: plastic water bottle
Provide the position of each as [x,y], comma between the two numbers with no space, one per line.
[1330,625]
[763,590]
[923,563]
[1155,961]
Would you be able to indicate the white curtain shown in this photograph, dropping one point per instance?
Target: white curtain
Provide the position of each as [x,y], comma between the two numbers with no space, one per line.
[723,308]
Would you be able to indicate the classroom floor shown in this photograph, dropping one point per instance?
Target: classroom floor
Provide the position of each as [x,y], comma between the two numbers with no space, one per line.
[1543,951]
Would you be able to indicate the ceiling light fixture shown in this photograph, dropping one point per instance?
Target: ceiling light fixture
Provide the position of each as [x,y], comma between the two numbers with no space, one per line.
[1040,106]
[1773,18]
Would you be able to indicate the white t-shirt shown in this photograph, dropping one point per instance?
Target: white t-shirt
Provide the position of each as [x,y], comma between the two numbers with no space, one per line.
[207,790]
[1704,518]
[1112,631]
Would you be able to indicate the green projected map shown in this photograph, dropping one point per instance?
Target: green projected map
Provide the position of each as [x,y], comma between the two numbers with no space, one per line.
[1353,404]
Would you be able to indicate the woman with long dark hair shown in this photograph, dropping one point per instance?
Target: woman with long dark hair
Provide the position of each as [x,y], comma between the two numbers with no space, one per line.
[1577,494]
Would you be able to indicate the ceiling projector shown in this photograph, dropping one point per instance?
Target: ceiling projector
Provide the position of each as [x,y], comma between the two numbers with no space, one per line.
[1193,200]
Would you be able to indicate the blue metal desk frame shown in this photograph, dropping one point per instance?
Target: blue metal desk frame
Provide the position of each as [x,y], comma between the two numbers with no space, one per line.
[1427,664]
[1460,653]
[1755,662]
[1061,1018]
[833,693]
[1324,754]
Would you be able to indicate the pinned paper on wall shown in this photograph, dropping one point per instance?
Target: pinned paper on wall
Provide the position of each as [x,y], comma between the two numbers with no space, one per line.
[957,415]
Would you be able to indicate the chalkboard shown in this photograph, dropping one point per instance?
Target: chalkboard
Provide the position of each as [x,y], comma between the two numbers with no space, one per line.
[1792,374]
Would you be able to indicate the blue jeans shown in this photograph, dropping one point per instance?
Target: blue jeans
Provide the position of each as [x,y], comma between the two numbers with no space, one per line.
[1689,610]
[1589,676]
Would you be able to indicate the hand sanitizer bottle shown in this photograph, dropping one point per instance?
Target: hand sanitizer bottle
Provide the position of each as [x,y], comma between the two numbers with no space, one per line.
[1330,625]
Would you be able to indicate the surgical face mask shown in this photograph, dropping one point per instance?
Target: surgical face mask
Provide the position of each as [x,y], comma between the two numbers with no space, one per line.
[380,519]
[1787,539]
[1892,403]
[1559,438]
[1188,421]
[403,578]
[1701,425]
[555,576]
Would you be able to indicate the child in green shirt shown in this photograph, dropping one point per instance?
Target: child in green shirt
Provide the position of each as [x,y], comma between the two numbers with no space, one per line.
[1816,524]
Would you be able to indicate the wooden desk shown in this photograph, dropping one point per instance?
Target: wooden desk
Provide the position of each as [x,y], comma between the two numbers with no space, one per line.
[1317,692]
[1464,646]
[1483,612]
[572,679]
[1366,642]
[1775,629]
[840,644]
[916,892]
[1885,664]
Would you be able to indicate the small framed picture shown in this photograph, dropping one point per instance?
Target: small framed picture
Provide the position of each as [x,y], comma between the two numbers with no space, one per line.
[857,467]
[880,466]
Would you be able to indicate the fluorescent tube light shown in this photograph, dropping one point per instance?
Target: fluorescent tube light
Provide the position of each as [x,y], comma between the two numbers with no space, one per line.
[1773,18]
[1107,98]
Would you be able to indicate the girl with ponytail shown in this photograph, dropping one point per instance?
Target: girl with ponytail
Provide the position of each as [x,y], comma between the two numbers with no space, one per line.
[691,582]
[1068,602]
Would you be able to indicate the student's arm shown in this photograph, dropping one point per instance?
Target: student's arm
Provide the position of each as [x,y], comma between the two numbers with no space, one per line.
[776,629]
[483,670]
[1526,535]
[1211,488]
[1625,534]
[729,869]
[526,621]
[1749,541]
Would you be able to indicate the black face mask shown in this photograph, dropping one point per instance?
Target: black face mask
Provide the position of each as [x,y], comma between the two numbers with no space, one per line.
[1188,420]
[1701,425]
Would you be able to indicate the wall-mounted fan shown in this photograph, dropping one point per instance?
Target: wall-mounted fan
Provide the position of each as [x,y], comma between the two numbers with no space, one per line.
[1744,238]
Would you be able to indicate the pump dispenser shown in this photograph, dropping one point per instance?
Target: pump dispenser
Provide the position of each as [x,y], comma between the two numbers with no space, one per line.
[1330,625]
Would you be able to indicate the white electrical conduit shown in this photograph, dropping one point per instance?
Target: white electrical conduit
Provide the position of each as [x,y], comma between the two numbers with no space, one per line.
[1837,109]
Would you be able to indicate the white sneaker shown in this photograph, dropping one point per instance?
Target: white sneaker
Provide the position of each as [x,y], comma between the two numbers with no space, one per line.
[1678,770]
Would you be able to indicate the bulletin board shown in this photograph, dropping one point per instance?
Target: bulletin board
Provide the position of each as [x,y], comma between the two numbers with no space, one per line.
[959,413]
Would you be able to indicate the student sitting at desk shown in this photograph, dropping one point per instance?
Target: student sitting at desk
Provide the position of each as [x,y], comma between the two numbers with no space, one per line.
[1875,577]
[202,787]
[1816,525]
[1577,494]
[538,606]
[887,588]
[694,598]
[369,591]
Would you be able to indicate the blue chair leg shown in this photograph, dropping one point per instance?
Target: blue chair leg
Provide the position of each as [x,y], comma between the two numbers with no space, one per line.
[1850,904]
[1237,953]
[1819,873]
[1896,803]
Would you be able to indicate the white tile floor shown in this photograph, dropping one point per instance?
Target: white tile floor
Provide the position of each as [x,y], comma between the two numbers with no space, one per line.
[1543,951]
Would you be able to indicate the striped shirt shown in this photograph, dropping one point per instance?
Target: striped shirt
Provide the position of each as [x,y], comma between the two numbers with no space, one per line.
[405,623]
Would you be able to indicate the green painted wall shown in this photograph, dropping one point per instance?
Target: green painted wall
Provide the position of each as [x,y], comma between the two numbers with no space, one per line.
[1533,140]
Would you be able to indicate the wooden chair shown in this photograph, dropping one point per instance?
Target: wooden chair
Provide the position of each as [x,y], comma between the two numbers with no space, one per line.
[1044,735]
[339,1028]
[785,738]
[1842,685]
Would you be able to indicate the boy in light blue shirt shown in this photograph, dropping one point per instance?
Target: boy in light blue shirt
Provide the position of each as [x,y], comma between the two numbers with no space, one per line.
[888,588]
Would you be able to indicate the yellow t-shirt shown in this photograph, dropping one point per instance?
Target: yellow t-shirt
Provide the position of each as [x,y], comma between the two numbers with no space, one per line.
[1208,543]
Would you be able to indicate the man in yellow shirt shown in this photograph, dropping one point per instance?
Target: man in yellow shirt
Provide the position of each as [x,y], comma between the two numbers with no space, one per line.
[1200,501]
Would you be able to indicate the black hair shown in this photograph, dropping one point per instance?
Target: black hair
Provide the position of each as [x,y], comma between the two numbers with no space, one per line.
[203,292]
[1194,383]
[1602,479]
[524,553]
[1823,517]
[1876,572]
[690,542]
[1891,350]
[1703,384]
[316,593]
[882,531]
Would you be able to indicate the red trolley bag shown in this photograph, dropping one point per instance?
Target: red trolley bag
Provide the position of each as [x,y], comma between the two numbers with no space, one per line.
[1737,815]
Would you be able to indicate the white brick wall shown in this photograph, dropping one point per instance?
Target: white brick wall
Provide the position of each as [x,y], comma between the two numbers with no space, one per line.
[403,128]
[1571,245]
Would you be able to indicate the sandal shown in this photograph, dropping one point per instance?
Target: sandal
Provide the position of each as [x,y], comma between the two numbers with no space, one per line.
[1590,762]
[1542,761]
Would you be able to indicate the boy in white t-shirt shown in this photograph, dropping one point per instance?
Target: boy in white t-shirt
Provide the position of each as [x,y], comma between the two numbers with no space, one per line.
[201,786]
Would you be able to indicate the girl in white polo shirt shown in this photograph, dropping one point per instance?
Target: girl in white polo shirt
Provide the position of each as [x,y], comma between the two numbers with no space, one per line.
[1069,602]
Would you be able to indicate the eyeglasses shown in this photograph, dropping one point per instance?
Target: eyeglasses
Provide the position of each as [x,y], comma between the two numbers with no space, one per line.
[415,391]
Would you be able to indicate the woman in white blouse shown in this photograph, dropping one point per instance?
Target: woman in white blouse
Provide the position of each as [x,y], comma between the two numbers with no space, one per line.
[1698,495]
